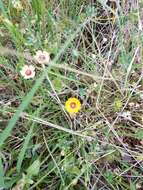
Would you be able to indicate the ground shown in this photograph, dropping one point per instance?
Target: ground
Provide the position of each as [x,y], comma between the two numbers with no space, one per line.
[93,51]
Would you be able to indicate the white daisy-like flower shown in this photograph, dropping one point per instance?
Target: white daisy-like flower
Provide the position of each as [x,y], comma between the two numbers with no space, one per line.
[42,57]
[28,71]
[126,115]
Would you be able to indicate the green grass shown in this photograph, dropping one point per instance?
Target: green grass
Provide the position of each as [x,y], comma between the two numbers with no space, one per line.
[96,56]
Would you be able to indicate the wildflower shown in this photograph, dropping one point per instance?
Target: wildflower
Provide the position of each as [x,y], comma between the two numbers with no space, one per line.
[17,5]
[73,105]
[28,71]
[126,115]
[42,57]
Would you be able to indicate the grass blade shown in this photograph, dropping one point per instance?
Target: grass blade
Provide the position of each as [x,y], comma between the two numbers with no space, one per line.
[24,148]
[1,174]
[7,131]
[2,9]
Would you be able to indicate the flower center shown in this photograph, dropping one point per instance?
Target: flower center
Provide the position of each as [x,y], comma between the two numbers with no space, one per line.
[73,105]
[42,57]
[28,72]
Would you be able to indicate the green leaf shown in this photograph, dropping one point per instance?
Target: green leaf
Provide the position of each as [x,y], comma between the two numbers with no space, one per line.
[33,170]
[109,176]
[73,170]
[57,84]
[117,104]
[125,59]
[132,186]
[139,134]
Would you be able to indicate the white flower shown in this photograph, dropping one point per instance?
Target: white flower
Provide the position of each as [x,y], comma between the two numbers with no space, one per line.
[28,71]
[126,115]
[42,57]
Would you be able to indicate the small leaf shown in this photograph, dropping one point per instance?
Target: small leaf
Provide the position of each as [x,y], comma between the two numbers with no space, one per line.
[140,157]
[109,175]
[82,92]
[139,134]
[73,170]
[33,170]
[117,104]
[132,186]
[57,84]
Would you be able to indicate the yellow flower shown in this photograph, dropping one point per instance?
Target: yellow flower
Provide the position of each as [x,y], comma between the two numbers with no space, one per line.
[72,105]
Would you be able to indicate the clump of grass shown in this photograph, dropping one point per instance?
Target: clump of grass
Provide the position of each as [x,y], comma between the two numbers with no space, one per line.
[95,51]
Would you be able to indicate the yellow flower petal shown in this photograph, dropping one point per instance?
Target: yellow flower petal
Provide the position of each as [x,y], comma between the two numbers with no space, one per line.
[72,105]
